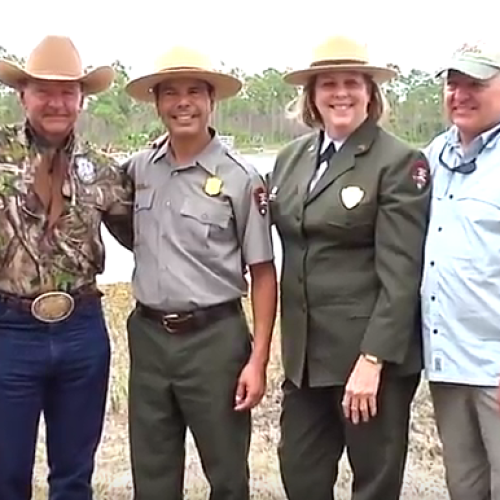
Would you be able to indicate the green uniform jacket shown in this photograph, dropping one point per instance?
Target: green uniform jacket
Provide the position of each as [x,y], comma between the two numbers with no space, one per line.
[352,254]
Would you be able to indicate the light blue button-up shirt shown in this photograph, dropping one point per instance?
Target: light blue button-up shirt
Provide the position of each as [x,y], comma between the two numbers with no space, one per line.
[461,281]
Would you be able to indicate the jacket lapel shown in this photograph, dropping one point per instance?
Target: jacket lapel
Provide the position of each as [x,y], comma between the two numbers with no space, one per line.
[344,160]
[306,166]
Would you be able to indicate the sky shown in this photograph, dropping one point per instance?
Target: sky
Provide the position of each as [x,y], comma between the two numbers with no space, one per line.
[252,35]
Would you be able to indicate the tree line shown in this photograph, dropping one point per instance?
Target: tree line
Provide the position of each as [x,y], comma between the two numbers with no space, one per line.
[256,117]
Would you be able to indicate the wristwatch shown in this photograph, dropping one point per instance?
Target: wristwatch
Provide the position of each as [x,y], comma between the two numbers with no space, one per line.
[372,359]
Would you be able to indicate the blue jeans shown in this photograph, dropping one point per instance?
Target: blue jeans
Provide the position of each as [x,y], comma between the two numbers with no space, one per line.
[61,370]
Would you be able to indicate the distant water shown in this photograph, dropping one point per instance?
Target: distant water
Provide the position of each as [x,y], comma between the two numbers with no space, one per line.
[120,262]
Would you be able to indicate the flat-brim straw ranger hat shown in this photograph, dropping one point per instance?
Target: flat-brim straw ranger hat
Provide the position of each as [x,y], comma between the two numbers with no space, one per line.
[56,58]
[340,53]
[182,62]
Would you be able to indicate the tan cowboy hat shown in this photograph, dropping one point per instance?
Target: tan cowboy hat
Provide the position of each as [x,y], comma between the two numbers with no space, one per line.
[340,53]
[55,58]
[181,62]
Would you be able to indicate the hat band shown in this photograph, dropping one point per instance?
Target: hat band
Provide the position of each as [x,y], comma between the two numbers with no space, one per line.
[49,72]
[182,68]
[338,62]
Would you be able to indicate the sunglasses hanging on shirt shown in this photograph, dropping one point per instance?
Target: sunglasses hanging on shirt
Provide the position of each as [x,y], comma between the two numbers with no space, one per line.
[469,166]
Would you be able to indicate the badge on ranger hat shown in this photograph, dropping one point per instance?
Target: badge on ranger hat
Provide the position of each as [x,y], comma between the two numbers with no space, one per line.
[420,173]
[85,170]
[213,186]
[351,196]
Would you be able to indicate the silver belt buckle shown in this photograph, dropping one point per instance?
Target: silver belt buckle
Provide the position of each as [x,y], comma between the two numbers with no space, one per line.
[172,321]
[52,307]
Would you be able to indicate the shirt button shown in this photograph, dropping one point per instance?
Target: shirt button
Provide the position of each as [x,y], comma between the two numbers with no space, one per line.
[451,197]
[440,229]
[432,263]
[433,298]
[435,330]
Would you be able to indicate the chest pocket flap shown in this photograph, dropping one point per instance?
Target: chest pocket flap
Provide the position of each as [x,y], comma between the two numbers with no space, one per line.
[143,199]
[215,213]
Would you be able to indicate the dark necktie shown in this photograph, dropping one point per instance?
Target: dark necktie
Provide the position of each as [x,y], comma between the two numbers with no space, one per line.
[326,154]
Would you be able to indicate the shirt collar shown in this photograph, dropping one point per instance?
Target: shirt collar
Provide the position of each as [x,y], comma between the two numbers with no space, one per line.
[207,159]
[453,139]
[327,140]
[34,140]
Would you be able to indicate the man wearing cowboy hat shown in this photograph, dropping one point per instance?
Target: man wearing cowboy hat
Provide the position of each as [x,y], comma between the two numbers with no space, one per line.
[200,221]
[461,283]
[54,347]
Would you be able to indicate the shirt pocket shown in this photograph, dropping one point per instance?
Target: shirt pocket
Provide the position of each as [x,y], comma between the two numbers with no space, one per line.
[205,223]
[363,214]
[482,209]
[143,205]
[480,216]
[351,205]
[473,221]
[352,226]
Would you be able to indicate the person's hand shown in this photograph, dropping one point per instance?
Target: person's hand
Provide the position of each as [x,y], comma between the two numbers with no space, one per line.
[251,386]
[360,396]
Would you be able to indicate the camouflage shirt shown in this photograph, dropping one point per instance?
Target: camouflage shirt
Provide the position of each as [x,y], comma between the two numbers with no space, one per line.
[69,257]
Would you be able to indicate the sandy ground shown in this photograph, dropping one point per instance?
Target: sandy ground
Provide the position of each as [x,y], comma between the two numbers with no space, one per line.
[423,476]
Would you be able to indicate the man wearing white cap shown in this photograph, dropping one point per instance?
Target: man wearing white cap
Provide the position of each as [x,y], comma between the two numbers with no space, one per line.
[461,283]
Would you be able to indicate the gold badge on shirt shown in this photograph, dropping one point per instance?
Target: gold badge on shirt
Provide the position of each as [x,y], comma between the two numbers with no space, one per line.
[213,186]
[351,196]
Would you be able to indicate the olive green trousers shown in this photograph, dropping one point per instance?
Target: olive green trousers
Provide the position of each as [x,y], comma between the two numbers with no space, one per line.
[187,380]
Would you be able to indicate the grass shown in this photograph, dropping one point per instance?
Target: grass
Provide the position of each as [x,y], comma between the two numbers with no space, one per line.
[112,479]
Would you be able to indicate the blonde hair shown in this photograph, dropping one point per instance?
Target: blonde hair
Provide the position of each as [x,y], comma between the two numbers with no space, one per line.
[303,109]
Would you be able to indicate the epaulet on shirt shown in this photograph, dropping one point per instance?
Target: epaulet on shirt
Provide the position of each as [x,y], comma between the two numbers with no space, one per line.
[91,152]
[158,142]
[155,145]
[241,162]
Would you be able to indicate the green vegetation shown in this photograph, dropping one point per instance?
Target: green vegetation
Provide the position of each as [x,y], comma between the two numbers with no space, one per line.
[256,117]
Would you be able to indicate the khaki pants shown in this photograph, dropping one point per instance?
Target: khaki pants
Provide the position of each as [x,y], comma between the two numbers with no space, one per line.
[187,380]
[468,422]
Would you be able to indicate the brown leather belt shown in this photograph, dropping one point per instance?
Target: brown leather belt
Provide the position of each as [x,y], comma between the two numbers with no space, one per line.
[51,307]
[192,320]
